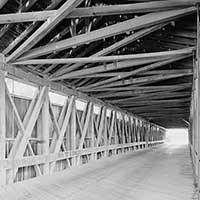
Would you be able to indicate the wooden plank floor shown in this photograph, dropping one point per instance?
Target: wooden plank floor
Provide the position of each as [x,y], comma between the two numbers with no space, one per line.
[161,173]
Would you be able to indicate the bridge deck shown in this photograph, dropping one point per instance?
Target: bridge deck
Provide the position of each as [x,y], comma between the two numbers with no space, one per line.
[163,172]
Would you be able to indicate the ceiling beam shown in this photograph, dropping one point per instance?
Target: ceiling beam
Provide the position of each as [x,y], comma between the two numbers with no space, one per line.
[45,28]
[142,69]
[160,95]
[139,88]
[2,3]
[93,11]
[155,107]
[156,96]
[135,94]
[116,29]
[163,111]
[114,74]
[151,102]
[143,80]
[114,58]
[129,8]
[24,8]
[106,68]
[30,28]
[26,17]
[135,36]
[168,71]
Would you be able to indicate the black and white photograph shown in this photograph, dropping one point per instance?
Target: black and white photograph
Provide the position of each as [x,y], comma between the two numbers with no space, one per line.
[99,99]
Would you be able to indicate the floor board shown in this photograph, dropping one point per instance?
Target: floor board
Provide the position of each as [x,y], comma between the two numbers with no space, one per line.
[161,173]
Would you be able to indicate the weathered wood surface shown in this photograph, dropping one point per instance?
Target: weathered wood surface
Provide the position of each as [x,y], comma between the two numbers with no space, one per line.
[43,138]
[163,172]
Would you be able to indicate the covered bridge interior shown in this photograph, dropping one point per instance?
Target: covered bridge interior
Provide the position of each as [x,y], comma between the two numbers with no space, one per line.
[84,80]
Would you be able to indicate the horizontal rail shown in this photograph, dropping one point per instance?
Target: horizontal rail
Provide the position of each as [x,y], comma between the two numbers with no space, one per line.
[40,159]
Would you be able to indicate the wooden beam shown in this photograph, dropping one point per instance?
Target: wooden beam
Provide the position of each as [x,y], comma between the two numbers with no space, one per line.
[163,111]
[73,131]
[144,80]
[94,11]
[140,70]
[30,125]
[86,51]
[146,7]
[135,36]
[152,108]
[160,105]
[104,59]
[63,129]
[2,3]
[157,102]
[115,74]
[139,89]
[45,131]
[45,28]
[40,159]
[30,28]
[153,95]
[116,29]
[105,68]
[23,8]
[101,125]
[85,128]
[26,17]
[21,133]
[20,75]
[2,123]
[197,101]
[171,95]
[135,94]
[168,71]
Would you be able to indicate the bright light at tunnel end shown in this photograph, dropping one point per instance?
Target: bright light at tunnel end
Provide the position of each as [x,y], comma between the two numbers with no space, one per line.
[177,136]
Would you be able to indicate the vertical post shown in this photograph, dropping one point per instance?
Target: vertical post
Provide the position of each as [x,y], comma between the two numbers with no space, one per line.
[45,131]
[136,133]
[123,131]
[115,132]
[139,132]
[73,131]
[198,97]
[2,121]
[92,131]
[147,134]
[123,126]
[153,134]
[129,132]
[105,134]
[133,131]
[150,135]
[144,133]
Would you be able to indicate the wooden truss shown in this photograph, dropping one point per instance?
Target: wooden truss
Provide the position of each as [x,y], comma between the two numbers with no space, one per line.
[47,140]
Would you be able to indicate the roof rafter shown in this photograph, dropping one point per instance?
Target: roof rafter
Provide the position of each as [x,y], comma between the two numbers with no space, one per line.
[142,69]
[114,58]
[140,89]
[116,29]
[144,80]
[94,11]
[135,36]
[2,3]
[135,95]
[45,28]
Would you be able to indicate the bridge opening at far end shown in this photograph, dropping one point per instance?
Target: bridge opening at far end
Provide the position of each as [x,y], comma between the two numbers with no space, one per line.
[176,136]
